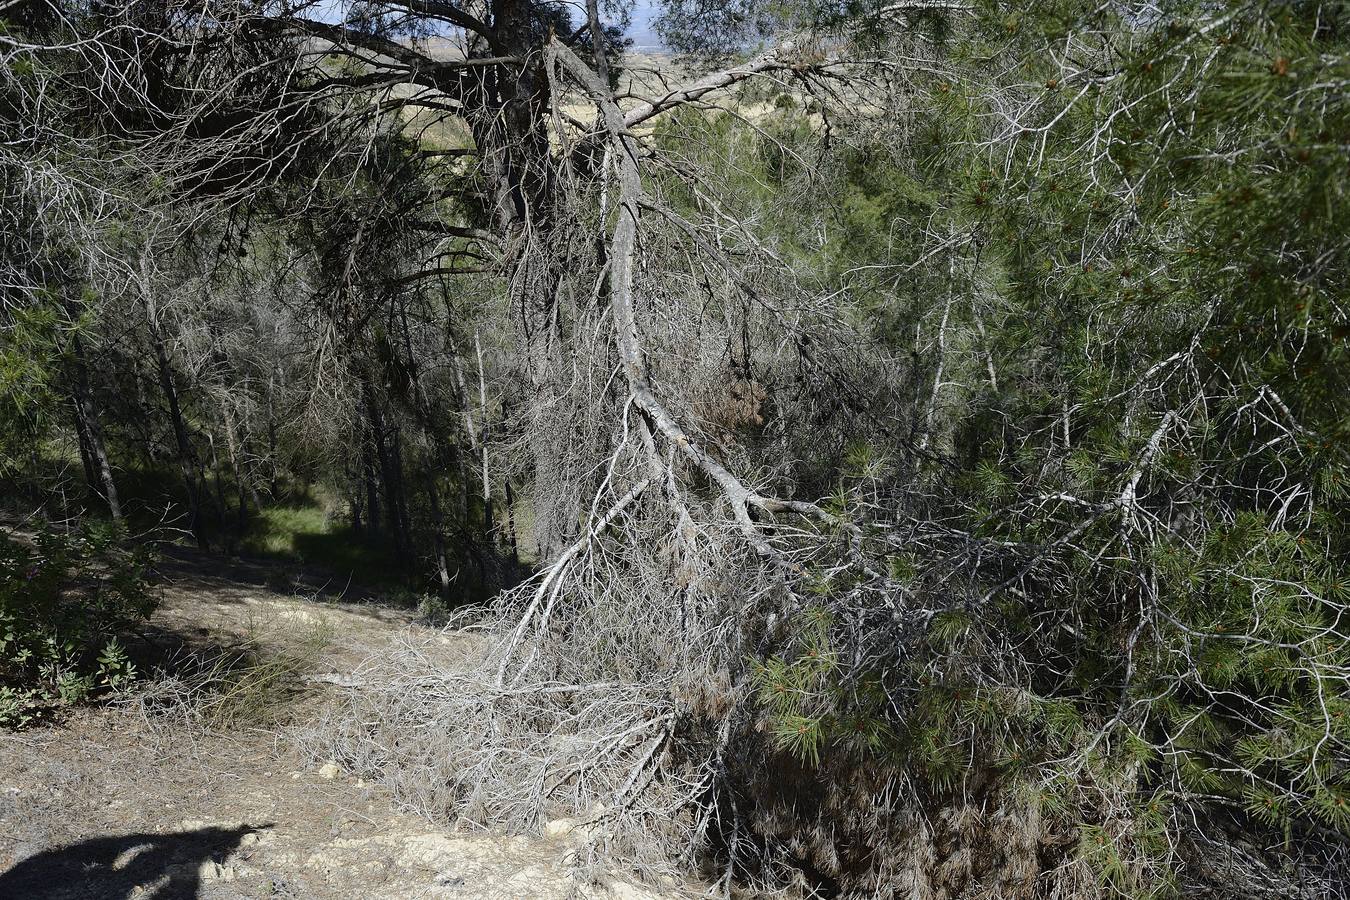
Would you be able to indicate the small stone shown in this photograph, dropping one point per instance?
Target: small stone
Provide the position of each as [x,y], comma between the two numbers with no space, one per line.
[559,828]
[214,871]
[329,770]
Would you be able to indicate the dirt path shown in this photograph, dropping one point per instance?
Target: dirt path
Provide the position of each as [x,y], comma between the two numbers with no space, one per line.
[110,804]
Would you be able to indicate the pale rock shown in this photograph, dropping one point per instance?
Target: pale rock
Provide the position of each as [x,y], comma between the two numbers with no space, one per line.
[622,890]
[214,871]
[560,828]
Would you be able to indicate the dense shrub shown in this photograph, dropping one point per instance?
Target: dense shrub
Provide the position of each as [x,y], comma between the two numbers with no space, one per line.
[64,600]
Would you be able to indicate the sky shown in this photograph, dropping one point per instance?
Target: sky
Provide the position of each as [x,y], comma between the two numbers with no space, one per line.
[644,37]
[641,31]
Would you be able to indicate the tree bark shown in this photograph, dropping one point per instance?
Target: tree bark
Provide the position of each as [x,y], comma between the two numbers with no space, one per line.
[426,417]
[369,479]
[93,451]
[186,460]
[488,524]
[390,473]
[82,439]
[232,445]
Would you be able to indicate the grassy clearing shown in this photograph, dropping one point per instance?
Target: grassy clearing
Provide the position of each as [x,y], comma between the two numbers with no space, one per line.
[307,533]
[303,527]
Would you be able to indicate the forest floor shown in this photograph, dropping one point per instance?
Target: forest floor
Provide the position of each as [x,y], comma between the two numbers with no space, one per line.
[118,802]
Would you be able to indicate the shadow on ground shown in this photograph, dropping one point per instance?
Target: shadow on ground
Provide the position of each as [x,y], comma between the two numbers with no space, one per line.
[179,562]
[146,866]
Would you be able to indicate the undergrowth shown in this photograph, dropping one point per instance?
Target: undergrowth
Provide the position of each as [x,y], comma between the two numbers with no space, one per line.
[254,682]
[66,600]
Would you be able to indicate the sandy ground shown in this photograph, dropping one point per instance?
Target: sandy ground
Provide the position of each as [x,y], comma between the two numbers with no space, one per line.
[108,803]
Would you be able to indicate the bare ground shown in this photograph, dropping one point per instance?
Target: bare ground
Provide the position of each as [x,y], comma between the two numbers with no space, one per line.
[114,803]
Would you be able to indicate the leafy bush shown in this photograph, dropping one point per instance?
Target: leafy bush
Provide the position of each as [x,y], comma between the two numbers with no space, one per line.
[64,600]
[433,610]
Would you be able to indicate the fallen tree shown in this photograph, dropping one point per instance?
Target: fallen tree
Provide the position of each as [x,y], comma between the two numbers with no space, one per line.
[921,510]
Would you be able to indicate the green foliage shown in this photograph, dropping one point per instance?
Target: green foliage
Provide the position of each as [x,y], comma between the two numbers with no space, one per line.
[1160,458]
[801,693]
[29,359]
[64,600]
[433,610]
[307,533]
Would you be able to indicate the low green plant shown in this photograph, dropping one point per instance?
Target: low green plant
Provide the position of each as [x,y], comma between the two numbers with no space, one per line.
[433,610]
[64,600]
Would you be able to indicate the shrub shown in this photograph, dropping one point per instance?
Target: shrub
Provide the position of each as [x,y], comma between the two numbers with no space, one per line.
[64,600]
[433,610]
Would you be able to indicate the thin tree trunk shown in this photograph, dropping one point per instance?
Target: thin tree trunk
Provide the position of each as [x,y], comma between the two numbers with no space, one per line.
[988,350]
[97,467]
[82,438]
[438,534]
[488,525]
[511,523]
[354,505]
[372,487]
[146,424]
[931,412]
[248,459]
[422,406]
[510,503]
[399,496]
[186,463]
[221,506]
[273,482]
[237,466]
[469,429]
[390,479]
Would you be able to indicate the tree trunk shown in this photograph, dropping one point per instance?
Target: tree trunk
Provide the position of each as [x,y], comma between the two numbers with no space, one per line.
[488,524]
[511,523]
[186,461]
[219,482]
[462,398]
[398,505]
[438,534]
[97,468]
[232,445]
[82,438]
[273,481]
[354,508]
[372,486]
[511,129]
[390,472]
[422,406]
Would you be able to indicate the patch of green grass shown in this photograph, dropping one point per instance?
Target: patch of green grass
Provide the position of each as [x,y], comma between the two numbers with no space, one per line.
[274,530]
[308,534]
